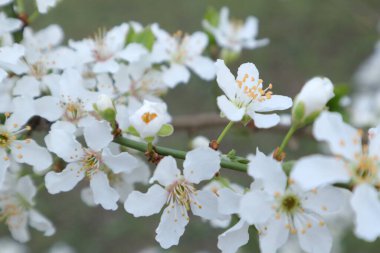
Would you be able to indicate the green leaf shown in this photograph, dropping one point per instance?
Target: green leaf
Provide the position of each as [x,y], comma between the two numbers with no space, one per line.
[133,131]
[149,139]
[246,119]
[212,16]
[288,166]
[145,37]
[166,130]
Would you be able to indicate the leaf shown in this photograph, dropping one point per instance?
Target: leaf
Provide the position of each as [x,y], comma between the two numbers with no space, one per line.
[166,130]
[133,131]
[145,37]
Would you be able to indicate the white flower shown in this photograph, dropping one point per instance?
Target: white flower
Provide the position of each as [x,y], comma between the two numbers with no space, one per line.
[179,194]
[278,210]
[106,48]
[314,95]
[182,51]
[235,35]
[20,150]
[246,96]
[353,163]
[149,119]
[16,205]
[96,162]
[9,57]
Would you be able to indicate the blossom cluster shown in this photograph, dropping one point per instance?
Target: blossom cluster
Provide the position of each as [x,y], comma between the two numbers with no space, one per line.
[98,101]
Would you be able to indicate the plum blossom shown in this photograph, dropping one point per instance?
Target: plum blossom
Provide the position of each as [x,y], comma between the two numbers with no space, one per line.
[17,209]
[235,35]
[353,163]
[279,209]
[245,95]
[14,145]
[177,192]
[182,52]
[150,118]
[96,162]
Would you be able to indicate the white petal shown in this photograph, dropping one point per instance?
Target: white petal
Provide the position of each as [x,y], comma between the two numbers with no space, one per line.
[98,135]
[366,205]
[87,196]
[172,226]
[4,165]
[166,171]
[317,238]
[23,110]
[231,111]
[324,200]
[273,234]
[64,145]
[201,164]
[342,138]
[41,223]
[64,181]
[146,204]
[256,207]
[196,43]
[264,120]
[26,189]
[228,201]
[27,86]
[318,170]
[269,171]
[275,103]
[110,66]
[225,79]
[203,67]
[248,69]
[29,152]
[374,141]
[206,205]
[104,194]
[176,74]
[133,52]
[48,107]
[123,162]
[235,237]
[18,226]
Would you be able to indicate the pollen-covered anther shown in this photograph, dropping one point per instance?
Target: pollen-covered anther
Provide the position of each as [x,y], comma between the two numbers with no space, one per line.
[148,117]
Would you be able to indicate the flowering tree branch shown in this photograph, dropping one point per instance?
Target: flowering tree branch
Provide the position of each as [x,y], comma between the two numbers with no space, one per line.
[179,154]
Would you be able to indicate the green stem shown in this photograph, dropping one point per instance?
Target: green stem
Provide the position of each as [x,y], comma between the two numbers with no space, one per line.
[287,138]
[224,132]
[179,154]
[20,6]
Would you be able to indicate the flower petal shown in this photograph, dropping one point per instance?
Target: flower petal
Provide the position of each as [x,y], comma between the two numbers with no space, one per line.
[275,103]
[225,79]
[342,138]
[201,164]
[172,226]
[228,201]
[41,223]
[256,207]
[366,205]
[123,162]
[26,189]
[64,181]
[98,135]
[235,237]
[146,204]
[175,74]
[4,165]
[205,205]
[48,107]
[269,171]
[203,67]
[29,152]
[318,170]
[231,111]
[18,226]
[104,194]
[324,200]
[264,120]
[166,171]
[273,234]
[315,238]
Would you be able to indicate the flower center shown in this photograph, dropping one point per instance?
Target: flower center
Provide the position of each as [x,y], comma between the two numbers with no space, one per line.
[37,70]
[101,53]
[148,117]
[365,170]
[254,92]
[91,162]
[182,193]
[5,139]
[290,204]
[73,111]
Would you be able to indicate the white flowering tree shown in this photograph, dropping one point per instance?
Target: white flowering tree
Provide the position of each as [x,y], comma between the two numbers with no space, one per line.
[98,104]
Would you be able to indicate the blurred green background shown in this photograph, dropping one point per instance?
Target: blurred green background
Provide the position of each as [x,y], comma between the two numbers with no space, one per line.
[308,38]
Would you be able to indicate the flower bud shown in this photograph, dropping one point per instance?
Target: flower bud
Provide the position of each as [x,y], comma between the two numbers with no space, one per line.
[312,99]
[199,141]
[105,107]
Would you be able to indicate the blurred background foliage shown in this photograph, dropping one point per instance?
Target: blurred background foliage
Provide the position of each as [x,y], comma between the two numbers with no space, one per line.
[308,38]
